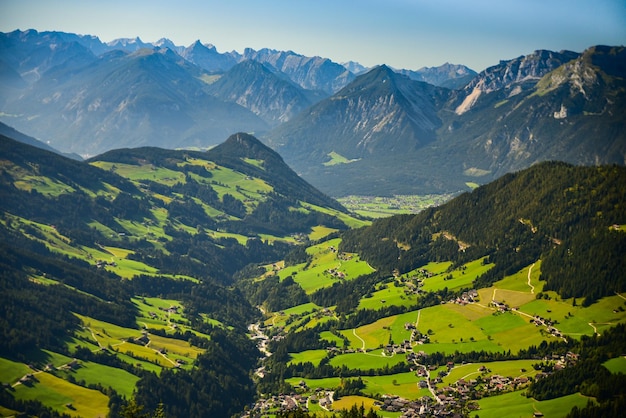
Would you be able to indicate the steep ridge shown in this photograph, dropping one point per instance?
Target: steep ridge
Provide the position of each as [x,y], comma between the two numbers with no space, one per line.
[376,138]
[268,94]
[207,57]
[311,73]
[18,136]
[547,106]
[380,111]
[240,147]
[31,53]
[379,124]
[512,75]
[574,113]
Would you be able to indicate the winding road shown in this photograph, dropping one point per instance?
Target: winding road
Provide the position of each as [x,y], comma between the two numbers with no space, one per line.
[360,339]
[532,288]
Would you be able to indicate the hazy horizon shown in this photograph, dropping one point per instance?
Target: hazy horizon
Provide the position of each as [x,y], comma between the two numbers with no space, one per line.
[400,33]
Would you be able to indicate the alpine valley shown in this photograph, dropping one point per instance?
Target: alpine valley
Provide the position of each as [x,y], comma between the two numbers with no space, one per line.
[171,244]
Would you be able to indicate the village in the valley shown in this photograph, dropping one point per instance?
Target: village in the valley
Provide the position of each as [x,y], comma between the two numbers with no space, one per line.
[445,400]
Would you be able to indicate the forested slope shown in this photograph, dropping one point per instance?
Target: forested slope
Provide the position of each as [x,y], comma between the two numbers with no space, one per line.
[563,214]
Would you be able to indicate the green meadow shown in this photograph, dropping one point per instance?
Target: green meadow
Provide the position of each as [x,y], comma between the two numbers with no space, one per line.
[43,185]
[330,337]
[515,404]
[325,268]
[576,320]
[459,278]
[161,351]
[386,295]
[349,220]
[616,365]
[93,373]
[143,172]
[366,361]
[312,356]
[402,384]
[336,158]
[348,401]
[63,396]
[12,371]
[325,383]
[512,368]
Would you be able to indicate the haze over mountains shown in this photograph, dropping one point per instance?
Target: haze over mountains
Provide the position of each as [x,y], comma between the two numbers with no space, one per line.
[381,131]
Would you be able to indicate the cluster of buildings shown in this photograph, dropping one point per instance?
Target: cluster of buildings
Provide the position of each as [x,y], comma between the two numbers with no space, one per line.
[291,402]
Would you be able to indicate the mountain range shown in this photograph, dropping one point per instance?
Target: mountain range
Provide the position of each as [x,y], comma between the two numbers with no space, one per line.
[398,136]
[382,131]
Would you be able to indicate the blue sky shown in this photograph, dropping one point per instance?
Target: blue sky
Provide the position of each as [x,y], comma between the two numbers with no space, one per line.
[401,33]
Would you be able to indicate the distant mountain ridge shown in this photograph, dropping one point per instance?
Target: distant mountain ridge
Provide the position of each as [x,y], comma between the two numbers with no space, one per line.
[452,76]
[265,92]
[546,106]
[427,131]
[377,105]
[86,96]
[148,97]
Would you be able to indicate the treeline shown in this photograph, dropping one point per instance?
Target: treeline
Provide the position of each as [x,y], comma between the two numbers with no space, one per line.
[34,315]
[28,408]
[588,376]
[219,386]
[272,293]
[276,215]
[553,211]
[590,267]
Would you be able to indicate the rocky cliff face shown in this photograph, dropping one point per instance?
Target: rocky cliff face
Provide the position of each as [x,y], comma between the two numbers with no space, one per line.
[574,113]
[207,58]
[311,73]
[512,75]
[268,94]
[448,75]
[381,111]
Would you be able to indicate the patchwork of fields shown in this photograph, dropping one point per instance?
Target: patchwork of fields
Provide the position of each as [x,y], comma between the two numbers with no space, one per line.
[504,319]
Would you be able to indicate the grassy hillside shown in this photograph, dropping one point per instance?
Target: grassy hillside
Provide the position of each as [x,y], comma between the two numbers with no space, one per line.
[460,304]
[155,275]
[117,273]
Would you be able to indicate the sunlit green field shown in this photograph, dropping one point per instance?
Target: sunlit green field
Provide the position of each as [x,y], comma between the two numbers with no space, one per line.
[143,172]
[512,368]
[348,401]
[12,371]
[515,404]
[313,356]
[387,295]
[401,384]
[460,278]
[93,373]
[325,258]
[120,339]
[367,361]
[616,365]
[64,396]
